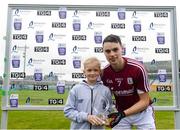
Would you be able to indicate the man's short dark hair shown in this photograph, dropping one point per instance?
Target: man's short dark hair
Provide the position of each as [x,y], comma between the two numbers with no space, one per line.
[112,38]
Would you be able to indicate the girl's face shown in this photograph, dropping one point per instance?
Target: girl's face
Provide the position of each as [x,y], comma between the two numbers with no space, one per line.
[92,72]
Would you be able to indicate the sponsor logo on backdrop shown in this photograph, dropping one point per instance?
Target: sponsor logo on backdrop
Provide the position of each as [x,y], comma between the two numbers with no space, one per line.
[32,61]
[20,36]
[54,101]
[33,24]
[154,26]
[78,75]
[17,48]
[62,13]
[17,24]
[54,36]
[121,13]
[39,36]
[137,50]
[78,13]
[161,50]
[40,87]
[38,75]
[62,49]
[15,61]
[58,61]
[98,37]
[94,25]
[162,75]
[58,25]
[13,99]
[160,38]
[137,25]
[164,88]
[30,100]
[98,49]
[161,14]
[90,25]
[19,12]
[79,37]
[153,62]
[60,87]
[77,49]
[41,49]
[43,13]
[18,75]
[118,25]
[138,38]
[102,13]
[139,14]
[76,24]
[76,62]
[134,14]
[53,75]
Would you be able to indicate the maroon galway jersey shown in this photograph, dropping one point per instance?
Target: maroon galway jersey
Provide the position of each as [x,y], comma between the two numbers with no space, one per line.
[125,83]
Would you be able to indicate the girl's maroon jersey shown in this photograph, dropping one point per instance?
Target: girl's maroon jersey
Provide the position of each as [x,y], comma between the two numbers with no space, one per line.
[126,83]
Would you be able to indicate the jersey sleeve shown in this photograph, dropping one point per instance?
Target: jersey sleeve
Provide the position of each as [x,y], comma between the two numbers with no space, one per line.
[142,83]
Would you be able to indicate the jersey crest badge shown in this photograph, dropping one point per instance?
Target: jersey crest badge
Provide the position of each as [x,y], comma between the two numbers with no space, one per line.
[130,80]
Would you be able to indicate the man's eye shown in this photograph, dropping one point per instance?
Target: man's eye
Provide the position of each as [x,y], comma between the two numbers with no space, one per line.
[115,49]
[107,51]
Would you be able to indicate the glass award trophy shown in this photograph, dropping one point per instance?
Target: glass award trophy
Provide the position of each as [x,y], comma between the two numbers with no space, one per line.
[102,108]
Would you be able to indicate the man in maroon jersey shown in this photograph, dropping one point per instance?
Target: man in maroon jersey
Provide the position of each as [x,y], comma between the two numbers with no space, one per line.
[128,81]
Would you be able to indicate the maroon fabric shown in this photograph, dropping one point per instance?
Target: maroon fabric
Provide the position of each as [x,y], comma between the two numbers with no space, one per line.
[124,84]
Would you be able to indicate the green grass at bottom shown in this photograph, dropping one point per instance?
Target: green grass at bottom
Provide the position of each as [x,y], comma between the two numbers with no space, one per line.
[56,120]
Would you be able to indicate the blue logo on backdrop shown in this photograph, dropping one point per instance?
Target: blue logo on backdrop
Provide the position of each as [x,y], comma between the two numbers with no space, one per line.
[17,24]
[160,38]
[15,61]
[76,62]
[98,37]
[62,49]
[62,13]
[39,36]
[76,25]
[38,75]
[137,26]
[121,14]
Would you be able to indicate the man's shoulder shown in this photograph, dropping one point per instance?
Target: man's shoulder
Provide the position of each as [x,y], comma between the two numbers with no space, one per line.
[135,63]
[106,67]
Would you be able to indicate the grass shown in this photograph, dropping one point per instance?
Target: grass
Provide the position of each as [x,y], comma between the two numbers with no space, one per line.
[56,119]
